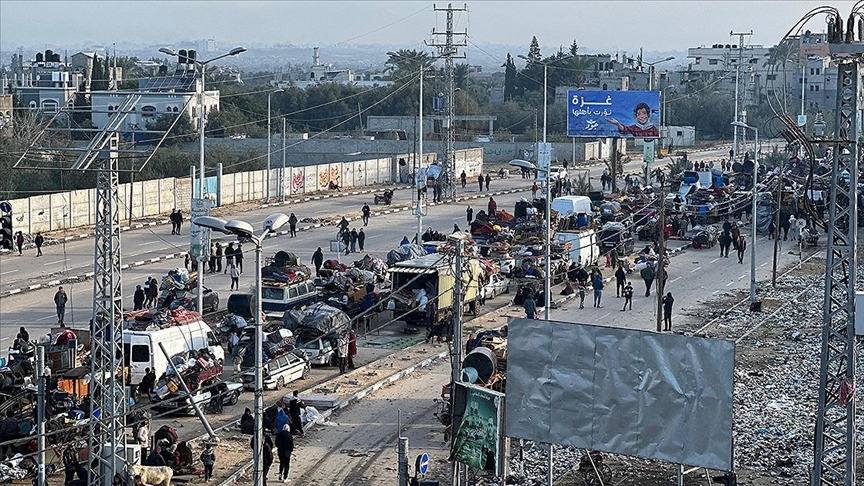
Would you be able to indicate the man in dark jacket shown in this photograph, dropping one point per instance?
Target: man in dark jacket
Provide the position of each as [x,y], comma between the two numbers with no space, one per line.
[38,242]
[138,298]
[620,280]
[9,431]
[648,275]
[284,447]
[668,301]
[318,260]
[480,181]
[292,225]
[366,212]
[155,458]
[361,239]
[267,452]
[295,409]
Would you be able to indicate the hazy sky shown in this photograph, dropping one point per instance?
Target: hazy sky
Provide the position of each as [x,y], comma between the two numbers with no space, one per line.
[597,25]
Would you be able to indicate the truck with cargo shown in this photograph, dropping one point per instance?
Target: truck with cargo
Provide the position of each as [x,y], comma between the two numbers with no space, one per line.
[430,279]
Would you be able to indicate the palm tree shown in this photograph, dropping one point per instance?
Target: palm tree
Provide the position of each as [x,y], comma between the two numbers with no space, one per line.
[582,185]
[778,56]
[676,167]
[581,67]
[460,75]
[404,64]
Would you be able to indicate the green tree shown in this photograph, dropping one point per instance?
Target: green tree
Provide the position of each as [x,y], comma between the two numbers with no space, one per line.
[179,132]
[534,50]
[460,75]
[404,64]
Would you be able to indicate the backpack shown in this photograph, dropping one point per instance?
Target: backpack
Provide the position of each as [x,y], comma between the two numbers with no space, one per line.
[647,273]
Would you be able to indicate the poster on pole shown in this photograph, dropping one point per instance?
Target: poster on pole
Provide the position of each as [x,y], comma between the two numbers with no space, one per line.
[544,156]
[199,238]
[479,435]
[648,152]
[625,114]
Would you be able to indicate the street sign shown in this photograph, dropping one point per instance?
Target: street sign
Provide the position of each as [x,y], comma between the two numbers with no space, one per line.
[5,207]
[423,463]
[544,155]
[199,237]
[802,120]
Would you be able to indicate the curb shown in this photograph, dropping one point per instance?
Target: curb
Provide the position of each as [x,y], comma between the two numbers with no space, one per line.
[239,473]
[308,227]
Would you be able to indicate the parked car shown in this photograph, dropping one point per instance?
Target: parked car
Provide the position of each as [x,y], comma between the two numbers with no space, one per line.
[498,284]
[318,351]
[557,173]
[280,371]
[179,403]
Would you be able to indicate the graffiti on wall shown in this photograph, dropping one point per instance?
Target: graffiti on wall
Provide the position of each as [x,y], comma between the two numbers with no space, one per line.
[325,177]
[297,182]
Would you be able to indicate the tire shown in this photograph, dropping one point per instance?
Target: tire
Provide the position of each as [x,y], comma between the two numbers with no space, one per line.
[235,397]
[280,382]
[306,371]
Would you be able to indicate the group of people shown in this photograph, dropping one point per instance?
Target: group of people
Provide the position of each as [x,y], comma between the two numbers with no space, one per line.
[176,219]
[284,421]
[731,236]
[352,239]
[38,241]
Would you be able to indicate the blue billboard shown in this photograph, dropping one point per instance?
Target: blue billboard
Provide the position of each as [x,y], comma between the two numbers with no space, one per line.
[626,114]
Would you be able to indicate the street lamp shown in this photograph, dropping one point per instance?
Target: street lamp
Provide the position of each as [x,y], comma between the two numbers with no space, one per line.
[419,208]
[269,148]
[663,115]
[547,286]
[245,232]
[651,71]
[740,124]
[204,237]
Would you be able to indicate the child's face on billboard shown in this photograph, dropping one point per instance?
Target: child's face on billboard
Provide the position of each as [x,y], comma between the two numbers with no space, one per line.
[642,116]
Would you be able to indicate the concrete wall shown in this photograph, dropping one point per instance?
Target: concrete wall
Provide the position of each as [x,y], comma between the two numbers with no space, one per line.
[315,151]
[51,212]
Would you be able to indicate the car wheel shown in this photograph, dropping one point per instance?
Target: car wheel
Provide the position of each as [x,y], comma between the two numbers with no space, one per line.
[280,382]
[234,398]
[306,370]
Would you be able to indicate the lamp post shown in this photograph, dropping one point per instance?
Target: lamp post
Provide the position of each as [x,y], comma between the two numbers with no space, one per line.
[745,126]
[418,163]
[269,134]
[547,291]
[663,115]
[201,188]
[245,231]
[651,71]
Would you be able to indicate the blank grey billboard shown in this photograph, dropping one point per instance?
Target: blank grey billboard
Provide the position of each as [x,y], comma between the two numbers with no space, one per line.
[625,391]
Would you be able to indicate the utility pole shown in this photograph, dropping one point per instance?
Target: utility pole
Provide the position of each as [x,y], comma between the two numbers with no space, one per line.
[661,270]
[777,224]
[456,348]
[834,438]
[448,50]
[741,36]
[40,413]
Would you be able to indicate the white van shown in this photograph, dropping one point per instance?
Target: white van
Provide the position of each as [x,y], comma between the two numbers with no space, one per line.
[141,348]
[571,205]
[584,245]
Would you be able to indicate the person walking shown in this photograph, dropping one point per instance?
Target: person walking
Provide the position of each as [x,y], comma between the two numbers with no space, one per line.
[208,459]
[488,180]
[267,453]
[38,241]
[353,236]
[154,292]
[147,292]
[668,300]
[19,242]
[346,240]
[581,296]
[60,299]
[179,220]
[648,275]
[628,296]
[480,182]
[464,178]
[368,211]
[229,256]
[530,306]
[492,207]
[148,382]
[219,254]
[597,285]
[343,225]
[469,215]
[352,348]
[212,263]
[342,352]
[235,277]
[742,246]
[620,280]
[361,239]
[138,298]
[725,243]
[295,411]
[318,260]
[284,449]
[292,225]
[238,257]
[173,219]
[534,189]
